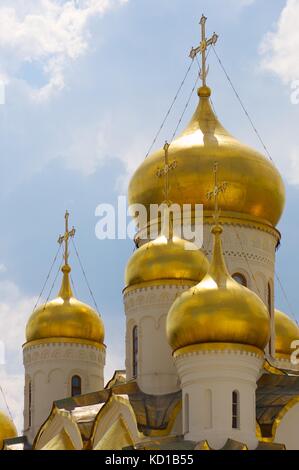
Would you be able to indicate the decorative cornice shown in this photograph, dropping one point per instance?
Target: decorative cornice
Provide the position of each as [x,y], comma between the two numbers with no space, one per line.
[238,219]
[230,218]
[75,341]
[218,348]
[159,284]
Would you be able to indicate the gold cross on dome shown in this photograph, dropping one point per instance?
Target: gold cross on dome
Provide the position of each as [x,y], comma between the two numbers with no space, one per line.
[218,188]
[202,48]
[65,238]
[164,171]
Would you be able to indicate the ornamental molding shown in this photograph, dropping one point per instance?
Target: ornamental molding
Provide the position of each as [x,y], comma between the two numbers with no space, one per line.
[219,352]
[245,255]
[65,352]
[152,296]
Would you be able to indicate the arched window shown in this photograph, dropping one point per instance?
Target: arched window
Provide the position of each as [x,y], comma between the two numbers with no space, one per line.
[240,278]
[29,404]
[235,410]
[208,409]
[269,298]
[269,304]
[76,385]
[135,351]
[186,413]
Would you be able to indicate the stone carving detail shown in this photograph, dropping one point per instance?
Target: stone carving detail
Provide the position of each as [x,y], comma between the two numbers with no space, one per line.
[73,352]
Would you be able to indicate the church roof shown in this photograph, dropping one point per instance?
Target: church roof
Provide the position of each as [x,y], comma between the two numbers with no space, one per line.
[153,412]
[275,395]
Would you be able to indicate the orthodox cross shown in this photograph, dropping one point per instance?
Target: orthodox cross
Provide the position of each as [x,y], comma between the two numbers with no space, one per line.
[164,171]
[65,238]
[202,48]
[218,188]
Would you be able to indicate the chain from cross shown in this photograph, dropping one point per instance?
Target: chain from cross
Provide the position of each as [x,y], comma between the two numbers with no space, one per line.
[218,189]
[164,171]
[65,238]
[202,48]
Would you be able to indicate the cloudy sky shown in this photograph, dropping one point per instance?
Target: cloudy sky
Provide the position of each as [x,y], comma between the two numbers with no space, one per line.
[86,86]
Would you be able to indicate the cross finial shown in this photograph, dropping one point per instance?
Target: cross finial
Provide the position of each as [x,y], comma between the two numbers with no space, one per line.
[218,188]
[202,48]
[164,171]
[65,238]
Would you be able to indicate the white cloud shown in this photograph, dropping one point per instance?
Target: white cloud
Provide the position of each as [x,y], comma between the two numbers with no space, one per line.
[280,47]
[12,386]
[52,33]
[93,144]
[292,170]
[15,309]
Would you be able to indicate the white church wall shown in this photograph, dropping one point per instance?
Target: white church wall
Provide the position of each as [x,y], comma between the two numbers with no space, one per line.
[208,380]
[147,308]
[288,429]
[49,367]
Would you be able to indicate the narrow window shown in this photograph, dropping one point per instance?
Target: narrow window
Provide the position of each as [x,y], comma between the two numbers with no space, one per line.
[29,404]
[208,409]
[269,299]
[76,385]
[269,302]
[235,410]
[186,413]
[135,351]
[240,278]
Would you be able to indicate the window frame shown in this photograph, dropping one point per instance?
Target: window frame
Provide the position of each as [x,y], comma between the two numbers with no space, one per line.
[135,351]
[76,389]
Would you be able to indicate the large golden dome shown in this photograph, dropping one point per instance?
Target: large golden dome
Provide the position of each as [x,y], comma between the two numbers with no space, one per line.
[7,428]
[166,259]
[286,331]
[65,317]
[218,310]
[255,189]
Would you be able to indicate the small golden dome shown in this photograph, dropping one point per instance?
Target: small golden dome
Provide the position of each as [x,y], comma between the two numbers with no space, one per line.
[65,317]
[7,428]
[218,310]
[286,331]
[255,188]
[166,258]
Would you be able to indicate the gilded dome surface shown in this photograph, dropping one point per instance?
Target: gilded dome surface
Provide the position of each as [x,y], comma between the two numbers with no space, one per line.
[7,428]
[218,310]
[65,317]
[166,259]
[286,331]
[254,186]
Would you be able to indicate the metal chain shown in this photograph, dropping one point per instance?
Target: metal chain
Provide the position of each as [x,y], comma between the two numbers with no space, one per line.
[184,110]
[6,403]
[73,286]
[85,277]
[242,105]
[244,254]
[53,284]
[188,100]
[286,297]
[169,109]
[47,278]
[269,155]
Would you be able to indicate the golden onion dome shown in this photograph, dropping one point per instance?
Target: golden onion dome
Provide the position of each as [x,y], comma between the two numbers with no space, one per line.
[7,428]
[65,317]
[167,258]
[255,188]
[218,310]
[286,331]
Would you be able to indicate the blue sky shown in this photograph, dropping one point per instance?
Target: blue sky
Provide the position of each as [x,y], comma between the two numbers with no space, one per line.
[87,85]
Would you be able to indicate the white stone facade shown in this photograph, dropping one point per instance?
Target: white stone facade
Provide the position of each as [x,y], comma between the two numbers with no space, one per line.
[49,368]
[208,380]
[147,308]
